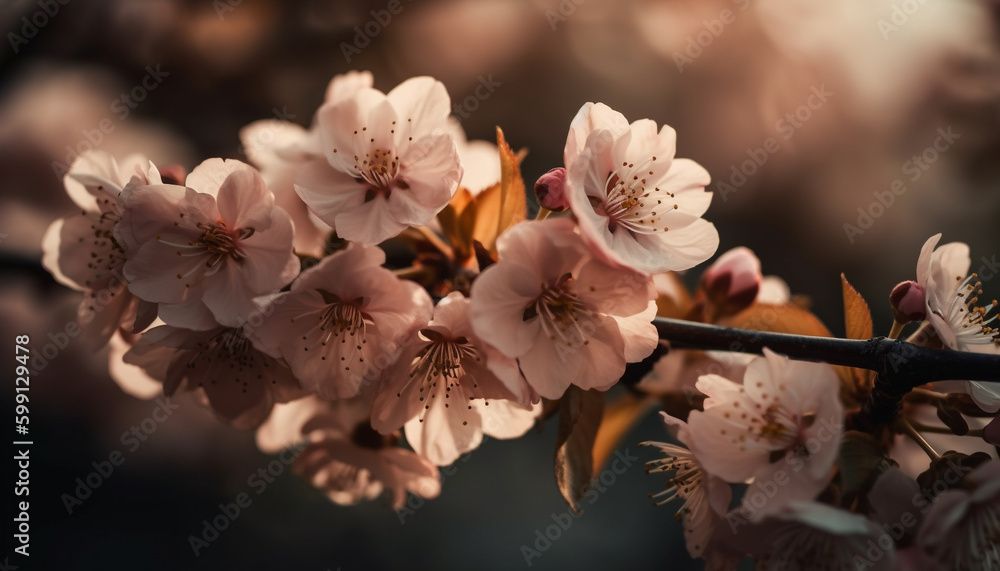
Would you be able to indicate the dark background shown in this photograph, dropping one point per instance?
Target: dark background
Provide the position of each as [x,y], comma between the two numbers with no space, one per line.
[893,89]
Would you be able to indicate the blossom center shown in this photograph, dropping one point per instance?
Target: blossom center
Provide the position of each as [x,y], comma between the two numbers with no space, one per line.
[379,169]
[782,432]
[364,436]
[339,319]
[563,314]
[230,347]
[440,369]
[632,203]
[220,242]
[971,322]
[981,550]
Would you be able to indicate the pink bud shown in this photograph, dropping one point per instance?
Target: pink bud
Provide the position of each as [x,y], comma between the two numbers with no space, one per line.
[733,281]
[908,302]
[551,190]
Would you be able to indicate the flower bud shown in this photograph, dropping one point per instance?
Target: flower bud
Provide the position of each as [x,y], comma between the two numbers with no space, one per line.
[908,302]
[551,190]
[732,283]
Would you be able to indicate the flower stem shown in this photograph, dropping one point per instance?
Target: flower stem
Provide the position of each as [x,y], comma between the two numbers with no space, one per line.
[897,329]
[910,431]
[919,426]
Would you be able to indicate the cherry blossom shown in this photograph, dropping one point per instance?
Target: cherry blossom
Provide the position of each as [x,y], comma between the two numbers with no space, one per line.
[236,380]
[807,536]
[951,297]
[962,529]
[205,251]
[388,161]
[339,324]
[780,428]
[81,251]
[637,205]
[340,453]
[280,148]
[449,388]
[705,498]
[567,317]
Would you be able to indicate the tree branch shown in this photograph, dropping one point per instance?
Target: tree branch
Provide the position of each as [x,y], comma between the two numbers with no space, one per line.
[901,366]
[887,357]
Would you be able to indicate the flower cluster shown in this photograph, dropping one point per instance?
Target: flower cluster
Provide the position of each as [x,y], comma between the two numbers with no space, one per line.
[376,277]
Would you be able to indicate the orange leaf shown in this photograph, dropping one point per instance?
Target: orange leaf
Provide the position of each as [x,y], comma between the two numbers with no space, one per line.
[857,316]
[619,417]
[454,225]
[487,215]
[787,319]
[778,319]
[513,200]
[666,305]
[580,415]
[858,323]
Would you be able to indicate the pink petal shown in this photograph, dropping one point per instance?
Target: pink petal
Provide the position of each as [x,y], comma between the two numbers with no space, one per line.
[244,200]
[328,191]
[422,103]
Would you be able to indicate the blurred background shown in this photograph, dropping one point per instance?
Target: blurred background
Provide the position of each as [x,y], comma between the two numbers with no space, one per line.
[805,113]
